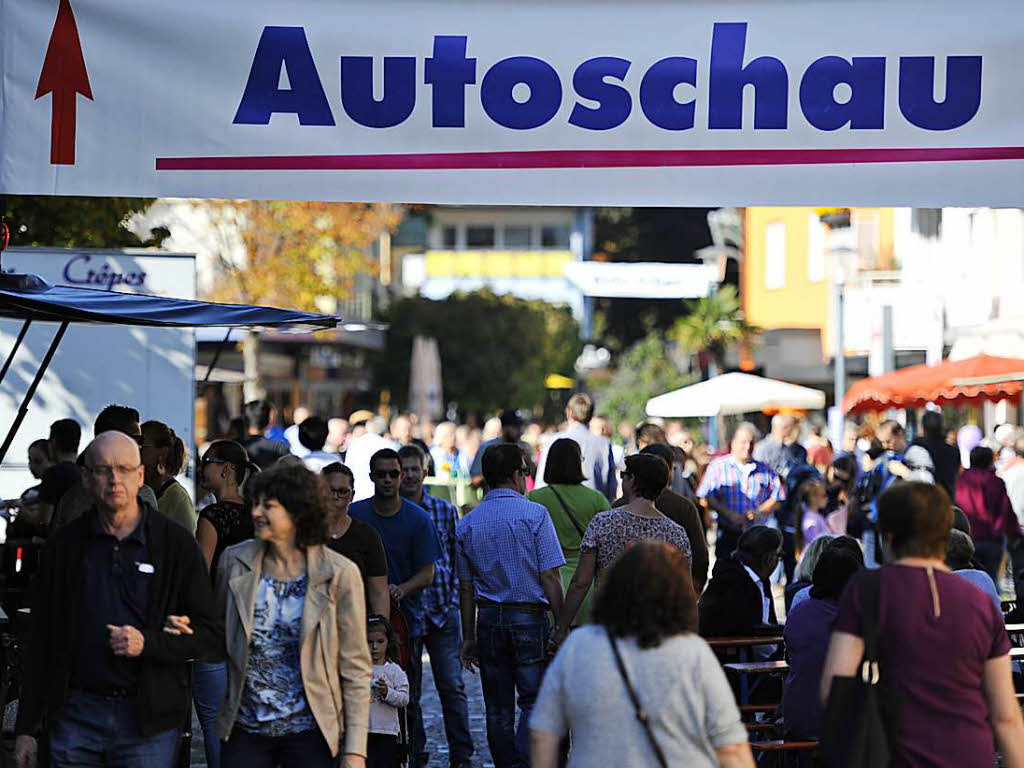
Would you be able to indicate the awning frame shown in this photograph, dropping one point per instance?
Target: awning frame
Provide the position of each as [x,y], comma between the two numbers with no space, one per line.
[27,286]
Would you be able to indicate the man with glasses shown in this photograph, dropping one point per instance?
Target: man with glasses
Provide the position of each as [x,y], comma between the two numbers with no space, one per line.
[442,635]
[356,540]
[78,498]
[740,490]
[411,544]
[508,560]
[101,674]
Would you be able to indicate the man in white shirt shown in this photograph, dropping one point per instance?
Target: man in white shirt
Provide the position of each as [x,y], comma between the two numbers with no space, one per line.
[1013,476]
[299,415]
[360,449]
[313,437]
[598,465]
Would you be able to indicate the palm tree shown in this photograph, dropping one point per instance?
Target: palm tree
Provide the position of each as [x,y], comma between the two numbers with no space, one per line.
[714,324]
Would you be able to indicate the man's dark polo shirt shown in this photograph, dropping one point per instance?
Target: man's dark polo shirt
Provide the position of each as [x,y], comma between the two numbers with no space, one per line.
[115,590]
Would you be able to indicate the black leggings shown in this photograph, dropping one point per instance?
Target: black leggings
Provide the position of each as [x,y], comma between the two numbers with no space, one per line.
[382,751]
[295,750]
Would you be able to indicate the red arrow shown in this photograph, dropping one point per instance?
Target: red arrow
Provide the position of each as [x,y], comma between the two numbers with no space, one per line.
[64,76]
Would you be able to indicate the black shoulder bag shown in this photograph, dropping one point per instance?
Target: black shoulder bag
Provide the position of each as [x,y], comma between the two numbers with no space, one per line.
[862,716]
[641,713]
[568,512]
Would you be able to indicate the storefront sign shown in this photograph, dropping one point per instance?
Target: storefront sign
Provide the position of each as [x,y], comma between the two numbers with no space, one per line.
[642,281]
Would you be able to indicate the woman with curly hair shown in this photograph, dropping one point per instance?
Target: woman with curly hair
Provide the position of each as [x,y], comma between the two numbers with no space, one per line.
[644,641]
[299,666]
[611,533]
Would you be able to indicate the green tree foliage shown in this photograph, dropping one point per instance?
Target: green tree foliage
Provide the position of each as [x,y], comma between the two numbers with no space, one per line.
[670,235]
[646,369]
[714,324]
[77,222]
[495,350]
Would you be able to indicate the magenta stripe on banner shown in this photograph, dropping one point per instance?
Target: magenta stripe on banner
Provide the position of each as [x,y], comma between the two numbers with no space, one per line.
[583,158]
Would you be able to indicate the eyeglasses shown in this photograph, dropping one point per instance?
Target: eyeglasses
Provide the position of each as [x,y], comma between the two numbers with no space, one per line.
[341,493]
[210,460]
[101,471]
[380,474]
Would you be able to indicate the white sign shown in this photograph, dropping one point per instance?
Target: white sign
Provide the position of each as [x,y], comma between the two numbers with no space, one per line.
[645,103]
[150,369]
[644,280]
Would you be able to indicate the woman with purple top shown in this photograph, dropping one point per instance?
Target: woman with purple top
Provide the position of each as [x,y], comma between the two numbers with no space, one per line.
[807,632]
[943,652]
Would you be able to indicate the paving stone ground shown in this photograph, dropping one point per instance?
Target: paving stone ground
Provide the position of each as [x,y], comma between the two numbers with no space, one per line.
[433,723]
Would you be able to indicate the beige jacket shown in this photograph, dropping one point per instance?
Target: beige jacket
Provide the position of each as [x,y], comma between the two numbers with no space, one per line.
[334,655]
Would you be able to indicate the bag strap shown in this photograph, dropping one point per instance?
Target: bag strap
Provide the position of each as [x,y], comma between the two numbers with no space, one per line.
[572,517]
[869,589]
[641,713]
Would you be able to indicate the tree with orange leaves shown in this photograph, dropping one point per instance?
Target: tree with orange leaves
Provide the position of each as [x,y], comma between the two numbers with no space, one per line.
[302,255]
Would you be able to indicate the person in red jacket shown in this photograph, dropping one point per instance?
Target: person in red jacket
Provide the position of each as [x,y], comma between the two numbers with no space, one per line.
[981,494]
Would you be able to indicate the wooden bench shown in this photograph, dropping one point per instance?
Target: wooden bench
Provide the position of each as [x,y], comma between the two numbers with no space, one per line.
[761,667]
[743,642]
[745,668]
[783,746]
[756,709]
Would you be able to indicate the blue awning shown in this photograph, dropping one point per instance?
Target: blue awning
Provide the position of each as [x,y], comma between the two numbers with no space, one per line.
[29,297]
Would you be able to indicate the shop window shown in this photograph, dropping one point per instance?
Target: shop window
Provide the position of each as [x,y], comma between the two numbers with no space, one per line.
[554,236]
[480,236]
[517,237]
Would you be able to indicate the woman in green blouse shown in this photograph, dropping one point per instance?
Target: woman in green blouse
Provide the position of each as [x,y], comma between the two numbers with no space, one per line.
[570,504]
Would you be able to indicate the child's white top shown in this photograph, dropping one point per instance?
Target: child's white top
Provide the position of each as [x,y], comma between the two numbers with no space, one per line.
[384,712]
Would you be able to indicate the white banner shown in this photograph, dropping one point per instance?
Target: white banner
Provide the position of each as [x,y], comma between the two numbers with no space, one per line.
[644,280]
[849,102]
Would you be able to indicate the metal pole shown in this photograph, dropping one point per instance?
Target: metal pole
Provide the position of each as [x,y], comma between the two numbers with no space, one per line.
[216,355]
[840,351]
[20,417]
[14,349]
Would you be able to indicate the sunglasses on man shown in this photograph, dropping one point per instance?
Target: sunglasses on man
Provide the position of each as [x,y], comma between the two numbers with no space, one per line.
[380,474]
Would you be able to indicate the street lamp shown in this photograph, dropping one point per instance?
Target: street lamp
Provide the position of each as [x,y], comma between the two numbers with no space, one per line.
[841,250]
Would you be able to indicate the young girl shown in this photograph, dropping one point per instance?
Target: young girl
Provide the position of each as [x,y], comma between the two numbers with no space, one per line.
[388,693]
[811,499]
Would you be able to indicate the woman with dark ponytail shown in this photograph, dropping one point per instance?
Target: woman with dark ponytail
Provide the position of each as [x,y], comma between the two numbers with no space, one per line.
[223,471]
[163,456]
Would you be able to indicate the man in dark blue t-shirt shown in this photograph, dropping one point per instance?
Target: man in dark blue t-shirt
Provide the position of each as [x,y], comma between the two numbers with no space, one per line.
[411,544]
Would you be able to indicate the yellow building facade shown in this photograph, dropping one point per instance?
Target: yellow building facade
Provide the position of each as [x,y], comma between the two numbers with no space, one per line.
[787,272]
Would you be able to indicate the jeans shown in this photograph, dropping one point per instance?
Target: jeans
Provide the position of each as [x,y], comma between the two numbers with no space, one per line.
[512,651]
[209,685]
[989,552]
[444,645]
[413,711]
[104,732]
[295,750]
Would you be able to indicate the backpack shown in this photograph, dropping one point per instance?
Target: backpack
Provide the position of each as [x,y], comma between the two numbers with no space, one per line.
[797,475]
[864,509]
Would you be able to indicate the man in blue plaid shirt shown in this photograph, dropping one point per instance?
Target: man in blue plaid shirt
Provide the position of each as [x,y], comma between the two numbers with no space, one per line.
[743,492]
[442,633]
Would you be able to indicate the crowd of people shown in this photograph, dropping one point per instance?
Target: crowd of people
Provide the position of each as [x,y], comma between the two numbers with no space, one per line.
[293,605]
